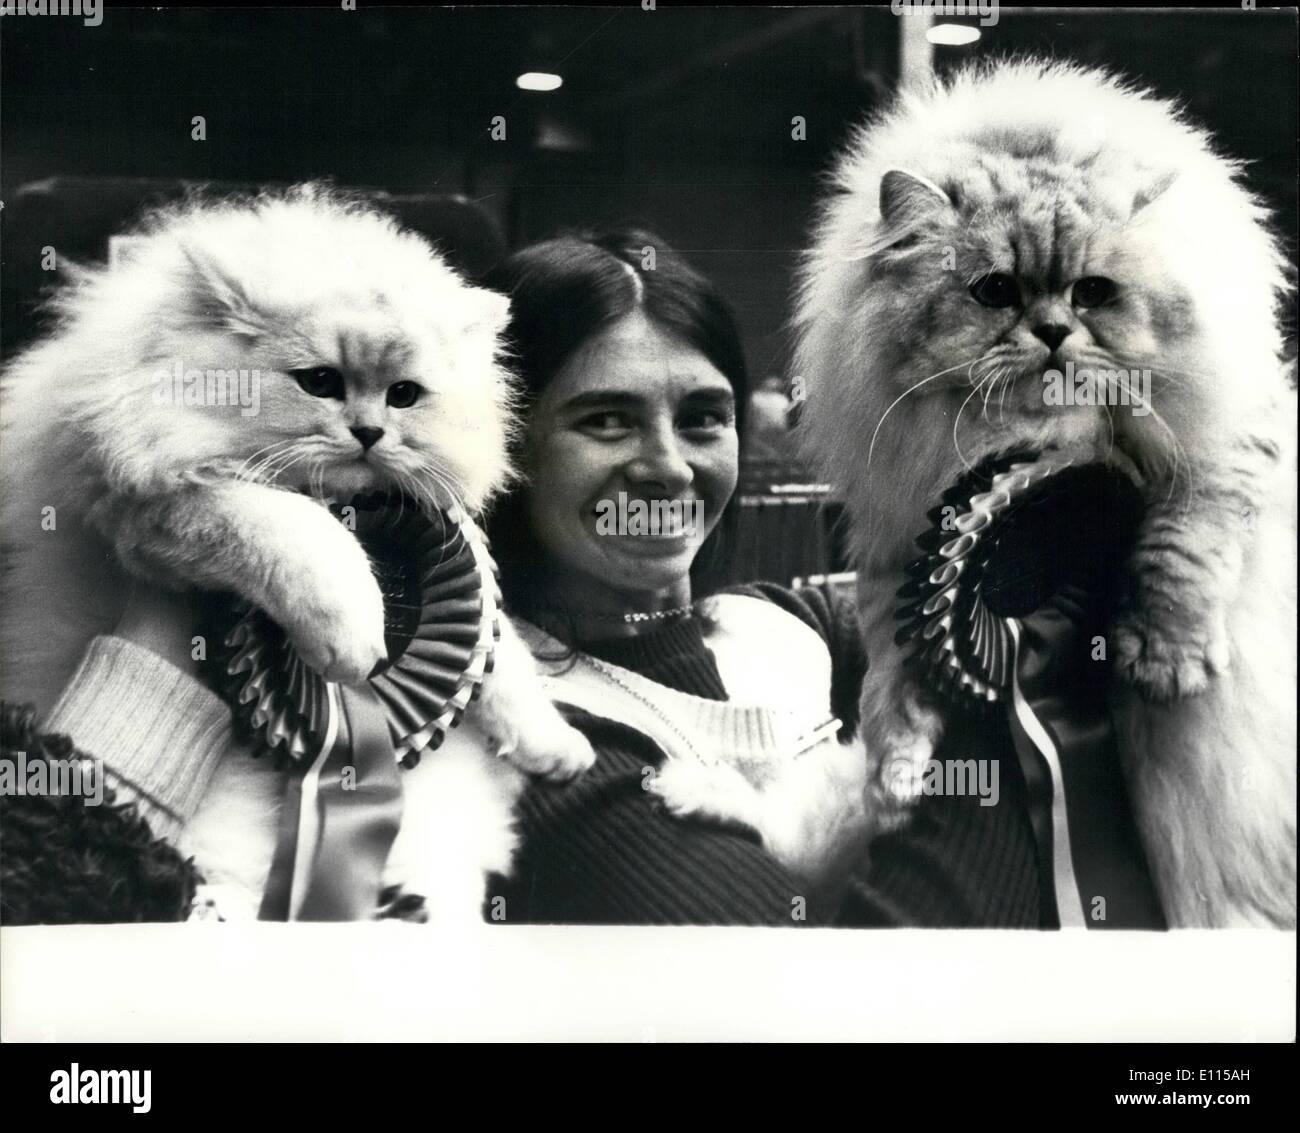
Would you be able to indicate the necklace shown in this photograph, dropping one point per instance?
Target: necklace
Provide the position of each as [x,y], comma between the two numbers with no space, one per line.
[611,673]
[636,617]
[655,615]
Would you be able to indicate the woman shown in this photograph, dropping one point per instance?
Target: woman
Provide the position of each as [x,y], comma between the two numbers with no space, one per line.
[635,389]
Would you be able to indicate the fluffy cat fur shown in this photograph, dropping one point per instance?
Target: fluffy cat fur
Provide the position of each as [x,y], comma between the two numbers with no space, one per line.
[1051,173]
[207,496]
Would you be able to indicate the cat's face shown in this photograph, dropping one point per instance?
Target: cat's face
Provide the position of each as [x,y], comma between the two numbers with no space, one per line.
[370,364]
[1027,302]
[1004,242]
[1031,255]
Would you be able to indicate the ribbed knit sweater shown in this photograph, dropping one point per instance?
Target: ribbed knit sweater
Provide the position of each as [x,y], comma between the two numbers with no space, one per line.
[599,851]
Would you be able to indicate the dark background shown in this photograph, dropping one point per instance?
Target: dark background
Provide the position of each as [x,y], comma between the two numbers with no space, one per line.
[678,118]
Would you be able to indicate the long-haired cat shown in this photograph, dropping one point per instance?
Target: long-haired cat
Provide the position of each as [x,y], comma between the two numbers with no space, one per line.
[349,357]
[1014,219]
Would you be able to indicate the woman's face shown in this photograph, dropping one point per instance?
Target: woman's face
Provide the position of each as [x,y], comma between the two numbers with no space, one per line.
[631,456]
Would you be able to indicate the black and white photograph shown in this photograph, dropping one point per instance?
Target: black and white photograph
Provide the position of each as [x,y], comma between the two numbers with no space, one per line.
[526,496]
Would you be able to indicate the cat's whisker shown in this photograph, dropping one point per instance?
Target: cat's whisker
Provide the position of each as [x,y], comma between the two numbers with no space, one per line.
[442,478]
[413,487]
[1180,462]
[254,455]
[284,466]
[249,468]
[403,489]
[1159,369]
[410,489]
[433,472]
[1110,422]
[1002,397]
[911,389]
[957,420]
[271,468]
[1004,380]
[316,479]
[993,384]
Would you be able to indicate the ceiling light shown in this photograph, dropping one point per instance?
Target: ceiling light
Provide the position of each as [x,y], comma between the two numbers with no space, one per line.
[952,35]
[539,80]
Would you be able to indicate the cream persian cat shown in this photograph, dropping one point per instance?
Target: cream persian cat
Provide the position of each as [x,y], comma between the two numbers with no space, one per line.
[355,359]
[1021,217]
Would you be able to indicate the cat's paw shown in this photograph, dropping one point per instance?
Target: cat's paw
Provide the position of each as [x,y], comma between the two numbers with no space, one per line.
[334,617]
[223,903]
[552,750]
[904,759]
[1165,662]
[715,791]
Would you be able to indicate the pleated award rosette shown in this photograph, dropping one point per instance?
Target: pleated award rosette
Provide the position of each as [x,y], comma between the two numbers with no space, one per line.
[343,743]
[1004,618]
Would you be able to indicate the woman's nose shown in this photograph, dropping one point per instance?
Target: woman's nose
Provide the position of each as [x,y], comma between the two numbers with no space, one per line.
[660,461]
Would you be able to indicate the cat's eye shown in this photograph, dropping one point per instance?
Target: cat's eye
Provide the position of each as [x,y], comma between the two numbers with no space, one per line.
[1093,291]
[319,381]
[997,289]
[402,395]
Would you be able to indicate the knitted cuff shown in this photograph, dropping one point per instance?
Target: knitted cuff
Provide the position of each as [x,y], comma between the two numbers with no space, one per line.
[159,732]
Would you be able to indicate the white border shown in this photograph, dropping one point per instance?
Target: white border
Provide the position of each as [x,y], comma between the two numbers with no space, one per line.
[393,981]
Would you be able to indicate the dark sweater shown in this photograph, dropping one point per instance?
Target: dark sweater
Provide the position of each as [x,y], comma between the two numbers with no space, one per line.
[599,851]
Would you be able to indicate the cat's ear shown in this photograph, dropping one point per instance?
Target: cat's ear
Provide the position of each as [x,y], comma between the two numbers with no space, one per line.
[908,202]
[489,311]
[217,299]
[907,198]
[1152,192]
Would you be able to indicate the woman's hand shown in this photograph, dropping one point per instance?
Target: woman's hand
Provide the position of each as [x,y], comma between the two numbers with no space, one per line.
[163,622]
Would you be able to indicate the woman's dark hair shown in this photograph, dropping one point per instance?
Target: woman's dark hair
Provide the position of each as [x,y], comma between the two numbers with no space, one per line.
[566,289]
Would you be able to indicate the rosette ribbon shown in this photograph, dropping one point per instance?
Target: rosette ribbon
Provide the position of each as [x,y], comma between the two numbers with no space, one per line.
[1002,615]
[344,744]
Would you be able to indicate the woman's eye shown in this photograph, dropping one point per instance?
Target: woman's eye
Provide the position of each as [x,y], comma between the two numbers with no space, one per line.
[319,381]
[997,289]
[706,419]
[1093,291]
[402,395]
[606,425]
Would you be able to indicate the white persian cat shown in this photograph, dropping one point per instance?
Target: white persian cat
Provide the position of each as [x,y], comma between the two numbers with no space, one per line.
[350,358]
[1017,218]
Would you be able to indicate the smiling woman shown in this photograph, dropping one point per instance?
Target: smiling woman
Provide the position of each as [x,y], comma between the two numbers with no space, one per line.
[634,387]
[635,413]
[634,381]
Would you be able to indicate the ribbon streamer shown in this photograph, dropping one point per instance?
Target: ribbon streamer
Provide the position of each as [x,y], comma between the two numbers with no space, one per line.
[344,743]
[999,614]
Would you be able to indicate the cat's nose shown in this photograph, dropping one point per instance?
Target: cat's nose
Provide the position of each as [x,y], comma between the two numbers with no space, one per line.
[1052,333]
[366,434]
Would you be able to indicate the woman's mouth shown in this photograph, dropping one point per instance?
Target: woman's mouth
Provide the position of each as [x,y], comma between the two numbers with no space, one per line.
[657,522]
